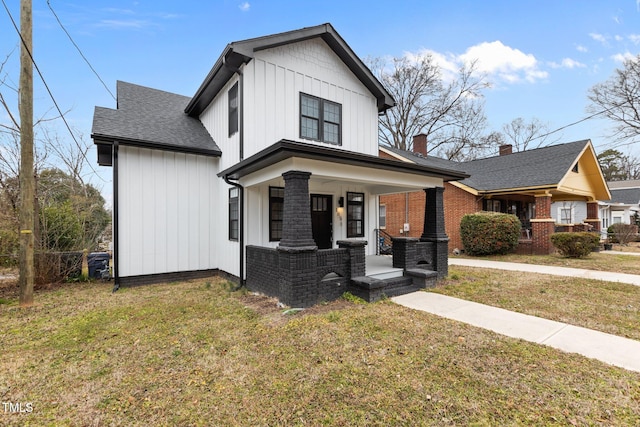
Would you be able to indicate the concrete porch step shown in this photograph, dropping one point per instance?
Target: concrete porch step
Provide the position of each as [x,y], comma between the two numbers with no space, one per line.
[389,274]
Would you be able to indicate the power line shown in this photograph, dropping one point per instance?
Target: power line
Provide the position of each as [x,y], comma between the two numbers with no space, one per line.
[80,51]
[55,103]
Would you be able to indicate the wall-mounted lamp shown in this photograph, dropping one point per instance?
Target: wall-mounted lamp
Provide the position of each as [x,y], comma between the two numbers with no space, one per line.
[340,208]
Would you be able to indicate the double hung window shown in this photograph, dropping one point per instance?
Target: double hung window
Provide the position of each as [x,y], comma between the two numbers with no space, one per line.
[320,120]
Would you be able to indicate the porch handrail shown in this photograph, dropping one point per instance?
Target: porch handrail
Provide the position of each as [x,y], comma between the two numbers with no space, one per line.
[385,242]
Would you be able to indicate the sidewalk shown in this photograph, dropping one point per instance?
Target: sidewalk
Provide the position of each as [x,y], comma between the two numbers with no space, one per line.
[612,349]
[631,279]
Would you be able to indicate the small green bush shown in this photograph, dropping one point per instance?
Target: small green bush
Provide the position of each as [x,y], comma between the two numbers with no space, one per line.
[486,233]
[575,245]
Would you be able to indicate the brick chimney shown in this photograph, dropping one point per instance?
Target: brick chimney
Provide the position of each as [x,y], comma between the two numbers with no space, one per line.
[420,144]
[506,149]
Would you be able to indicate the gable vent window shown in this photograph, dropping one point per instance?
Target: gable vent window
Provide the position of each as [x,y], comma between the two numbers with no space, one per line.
[575,168]
[233,109]
[320,120]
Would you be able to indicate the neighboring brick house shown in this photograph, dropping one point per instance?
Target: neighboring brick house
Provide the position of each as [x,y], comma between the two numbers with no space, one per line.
[269,174]
[541,186]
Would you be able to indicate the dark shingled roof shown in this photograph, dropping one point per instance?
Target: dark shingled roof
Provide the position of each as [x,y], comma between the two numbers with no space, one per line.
[151,118]
[627,196]
[428,160]
[532,168]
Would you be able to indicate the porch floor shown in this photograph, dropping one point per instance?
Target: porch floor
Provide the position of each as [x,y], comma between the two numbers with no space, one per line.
[381,267]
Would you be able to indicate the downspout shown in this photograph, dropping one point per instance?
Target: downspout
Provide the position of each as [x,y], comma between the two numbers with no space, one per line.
[241,157]
[116,251]
[240,227]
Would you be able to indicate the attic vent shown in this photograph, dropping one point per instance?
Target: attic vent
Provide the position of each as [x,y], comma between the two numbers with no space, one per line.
[575,168]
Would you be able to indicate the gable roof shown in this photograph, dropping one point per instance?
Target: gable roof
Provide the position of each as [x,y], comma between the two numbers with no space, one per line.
[626,196]
[242,52]
[151,118]
[540,168]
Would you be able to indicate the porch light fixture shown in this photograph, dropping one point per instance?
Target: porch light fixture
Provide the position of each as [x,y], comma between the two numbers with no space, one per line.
[341,202]
[340,208]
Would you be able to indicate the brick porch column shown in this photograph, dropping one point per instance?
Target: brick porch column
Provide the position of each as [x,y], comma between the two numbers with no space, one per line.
[434,230]
[542,226]
[297,251]
[593,216]
[296,220]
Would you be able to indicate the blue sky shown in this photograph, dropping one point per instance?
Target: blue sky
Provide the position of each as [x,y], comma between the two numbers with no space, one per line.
[540,56]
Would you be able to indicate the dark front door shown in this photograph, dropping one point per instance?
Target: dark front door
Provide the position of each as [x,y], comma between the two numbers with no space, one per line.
[321,220]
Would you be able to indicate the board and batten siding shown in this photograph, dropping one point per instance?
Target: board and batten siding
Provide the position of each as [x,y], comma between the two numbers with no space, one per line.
[274,80]
[168,212]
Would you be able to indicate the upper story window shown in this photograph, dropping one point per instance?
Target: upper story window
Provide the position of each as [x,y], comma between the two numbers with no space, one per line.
[320,120]
[233,109]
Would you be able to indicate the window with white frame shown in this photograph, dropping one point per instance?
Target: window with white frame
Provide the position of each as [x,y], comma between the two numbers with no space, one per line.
[320,120]
[276,213]
[382,215]
[355,214]
[234,212]
[565,214]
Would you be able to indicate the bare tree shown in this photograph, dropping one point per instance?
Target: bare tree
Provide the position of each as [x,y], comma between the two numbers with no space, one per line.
[523,135]
[618,99]
[450,114]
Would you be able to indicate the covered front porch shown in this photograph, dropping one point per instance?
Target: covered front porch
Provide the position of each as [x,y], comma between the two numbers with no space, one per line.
[539,221]
[300,266]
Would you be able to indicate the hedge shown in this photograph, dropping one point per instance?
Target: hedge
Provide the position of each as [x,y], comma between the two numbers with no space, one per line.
[486,233]
[575,245]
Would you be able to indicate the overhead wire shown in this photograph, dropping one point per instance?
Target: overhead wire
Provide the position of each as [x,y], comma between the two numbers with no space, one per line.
[79,51]
[55,103]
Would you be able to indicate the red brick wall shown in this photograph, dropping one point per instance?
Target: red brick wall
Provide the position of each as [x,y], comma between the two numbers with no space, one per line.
[457,203]
[397,213]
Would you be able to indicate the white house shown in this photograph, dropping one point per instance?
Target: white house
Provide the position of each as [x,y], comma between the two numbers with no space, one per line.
[276,156]
[624,205]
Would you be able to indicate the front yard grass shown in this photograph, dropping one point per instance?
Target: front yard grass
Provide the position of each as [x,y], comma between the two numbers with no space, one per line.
[605,306]
[195,353]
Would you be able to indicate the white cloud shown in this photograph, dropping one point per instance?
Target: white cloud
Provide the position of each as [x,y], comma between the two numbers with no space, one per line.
[635,38]
[621,57]
[504,62]
[569,63]
[598,37]
[499,62]
[618,38]
[245,6]
[581,48]
[120,24]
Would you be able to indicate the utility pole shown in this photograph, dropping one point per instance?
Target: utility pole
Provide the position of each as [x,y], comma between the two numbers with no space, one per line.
[27,178]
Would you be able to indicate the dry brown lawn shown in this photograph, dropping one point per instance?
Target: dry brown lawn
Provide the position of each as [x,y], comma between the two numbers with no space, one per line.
[195,353]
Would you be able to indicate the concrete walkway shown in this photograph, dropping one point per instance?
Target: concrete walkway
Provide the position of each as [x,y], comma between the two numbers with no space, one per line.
[612,349]
[631,279]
